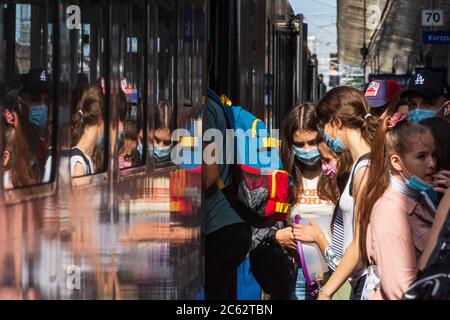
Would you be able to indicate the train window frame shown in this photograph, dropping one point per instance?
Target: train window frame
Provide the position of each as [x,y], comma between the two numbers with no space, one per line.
[96,179]
[45,189]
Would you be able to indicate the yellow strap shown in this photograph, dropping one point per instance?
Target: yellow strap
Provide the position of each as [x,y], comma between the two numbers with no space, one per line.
[220,184]
[274,184]
[225,101]
[282,207]
[271,143]
[175,206]
[254,127]
[189,142]
[274,181]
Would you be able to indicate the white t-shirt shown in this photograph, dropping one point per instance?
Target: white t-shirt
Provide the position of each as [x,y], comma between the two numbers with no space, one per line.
[311,208]
[78,159]
[7,183]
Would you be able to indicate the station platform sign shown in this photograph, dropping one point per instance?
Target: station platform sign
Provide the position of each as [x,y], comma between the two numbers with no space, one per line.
[436,37]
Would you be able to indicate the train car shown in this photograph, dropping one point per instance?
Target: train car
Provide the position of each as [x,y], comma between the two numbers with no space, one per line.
[259,58]
[131,227]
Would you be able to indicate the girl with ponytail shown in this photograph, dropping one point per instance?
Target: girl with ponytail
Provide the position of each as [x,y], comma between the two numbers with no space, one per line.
[87,132]
[395,215]
[347,126]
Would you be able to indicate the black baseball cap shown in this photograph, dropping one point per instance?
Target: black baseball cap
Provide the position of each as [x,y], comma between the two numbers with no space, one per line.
[36,81]
[427,84]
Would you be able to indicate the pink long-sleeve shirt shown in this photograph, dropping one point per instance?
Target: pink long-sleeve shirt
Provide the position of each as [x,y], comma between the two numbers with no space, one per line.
[398,232]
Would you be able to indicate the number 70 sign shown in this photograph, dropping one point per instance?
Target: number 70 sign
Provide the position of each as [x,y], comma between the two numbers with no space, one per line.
[432,18]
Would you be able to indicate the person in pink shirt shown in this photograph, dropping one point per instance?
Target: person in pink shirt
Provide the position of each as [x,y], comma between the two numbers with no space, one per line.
[397,214]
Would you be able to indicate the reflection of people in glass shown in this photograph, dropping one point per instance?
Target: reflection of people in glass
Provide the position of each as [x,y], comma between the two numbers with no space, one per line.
[81,86]
[128,154]
[123,111]
[87,132]
[162,135]
[33,100]
[17,170]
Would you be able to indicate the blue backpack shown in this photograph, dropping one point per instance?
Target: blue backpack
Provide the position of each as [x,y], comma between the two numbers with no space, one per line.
[258,181]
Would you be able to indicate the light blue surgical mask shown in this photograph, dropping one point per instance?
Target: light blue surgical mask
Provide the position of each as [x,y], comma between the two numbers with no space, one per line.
[121,134]
[161,152]
[309,157]
[38,115]
[140,150]
[417,184]
[420,115]
[337,145]
[100,140]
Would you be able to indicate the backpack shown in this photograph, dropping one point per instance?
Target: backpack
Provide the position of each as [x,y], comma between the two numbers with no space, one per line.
[258,185]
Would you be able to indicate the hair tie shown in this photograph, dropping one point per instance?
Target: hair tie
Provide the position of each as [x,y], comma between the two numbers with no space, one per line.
[397,119]
[9,117]
[367,116]
[81,112]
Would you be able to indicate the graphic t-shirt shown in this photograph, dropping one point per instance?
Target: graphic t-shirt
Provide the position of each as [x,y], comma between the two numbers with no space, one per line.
[311,208]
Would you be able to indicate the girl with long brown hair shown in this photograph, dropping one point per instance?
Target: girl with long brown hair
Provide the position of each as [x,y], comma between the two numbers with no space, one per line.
[395,218]
[347,125]
[301,158]
[17,171]
[87,132]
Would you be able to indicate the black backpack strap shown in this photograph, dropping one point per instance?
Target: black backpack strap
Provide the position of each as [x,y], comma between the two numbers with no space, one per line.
[77,152]
[352,176]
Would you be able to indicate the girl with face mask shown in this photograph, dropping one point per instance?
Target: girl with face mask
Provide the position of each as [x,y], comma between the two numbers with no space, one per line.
[162,135]
[87,132]
[395,215]
[301,158]
[346,125]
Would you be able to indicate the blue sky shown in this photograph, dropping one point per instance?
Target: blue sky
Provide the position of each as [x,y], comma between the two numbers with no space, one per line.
[319,13]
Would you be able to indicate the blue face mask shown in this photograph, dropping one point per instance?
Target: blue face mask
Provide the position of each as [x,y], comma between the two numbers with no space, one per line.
[308,157]
[334,144]
[38,115]
[140,149]
[100,140]
[121,134]
[420,115]
[161,153]
[419,185]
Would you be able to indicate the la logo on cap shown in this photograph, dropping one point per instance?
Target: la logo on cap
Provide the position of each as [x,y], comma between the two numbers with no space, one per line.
[373,89]
[43,76]
[419,80]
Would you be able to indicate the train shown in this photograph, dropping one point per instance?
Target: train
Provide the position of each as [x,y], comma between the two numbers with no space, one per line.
[133,232]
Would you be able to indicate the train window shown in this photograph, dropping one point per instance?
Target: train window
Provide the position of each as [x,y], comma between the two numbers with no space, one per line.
[163,111]
[88,105]
[132,94]
[26,103]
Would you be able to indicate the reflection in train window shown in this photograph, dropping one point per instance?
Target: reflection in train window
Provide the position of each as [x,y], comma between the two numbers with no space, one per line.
[132,98]
[162,133]
[26,94]
[163,112]
[88,108]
